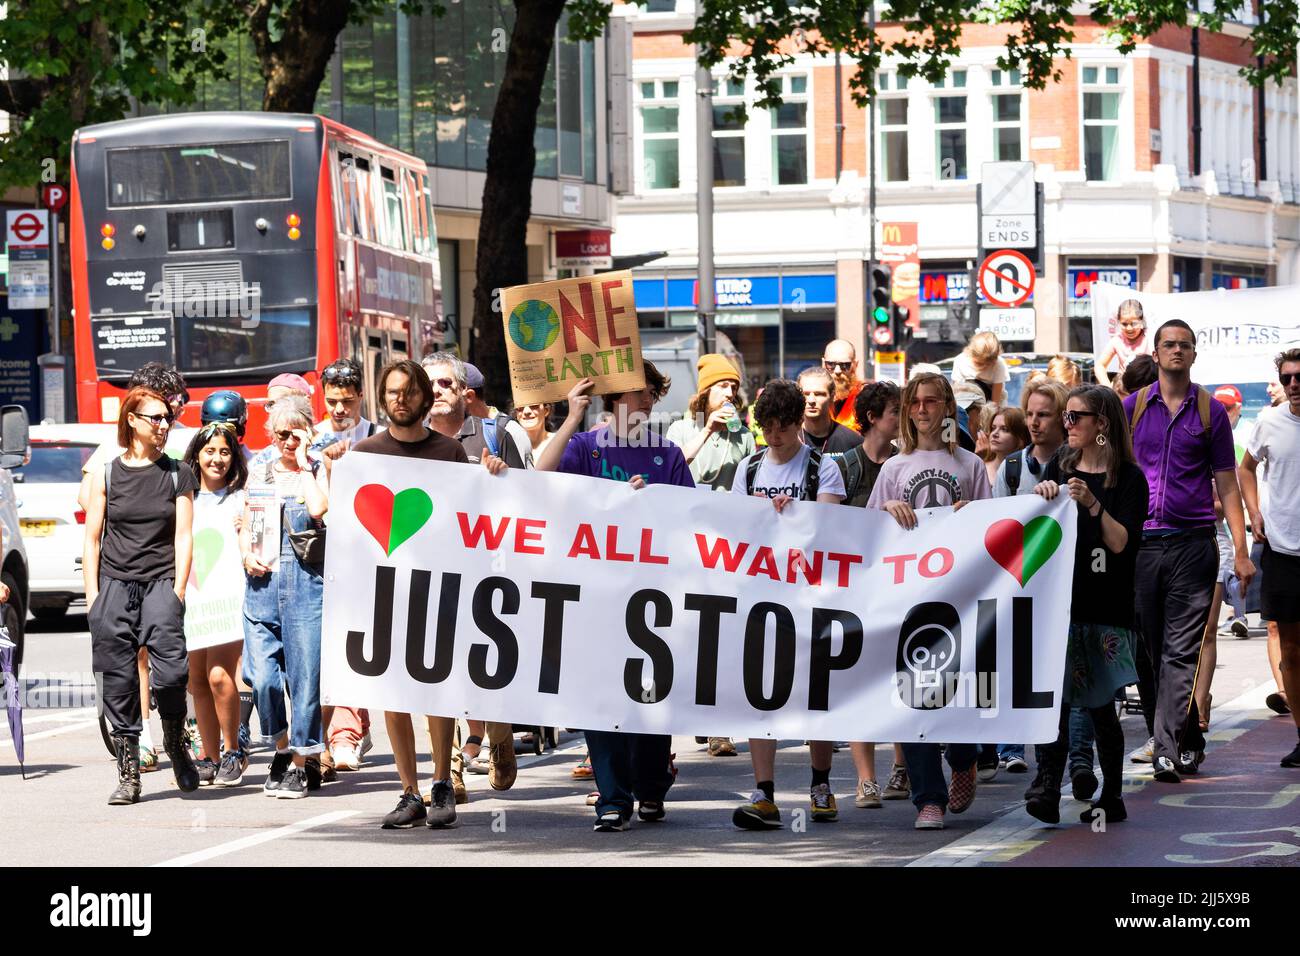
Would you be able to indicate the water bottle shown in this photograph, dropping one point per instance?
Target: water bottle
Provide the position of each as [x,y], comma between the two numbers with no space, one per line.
[733,423]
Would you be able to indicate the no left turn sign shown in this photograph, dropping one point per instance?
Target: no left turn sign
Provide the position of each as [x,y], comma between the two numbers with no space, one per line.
[1006,278]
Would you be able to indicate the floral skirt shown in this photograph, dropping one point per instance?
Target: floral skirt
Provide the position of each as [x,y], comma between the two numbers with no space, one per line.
[1098,662]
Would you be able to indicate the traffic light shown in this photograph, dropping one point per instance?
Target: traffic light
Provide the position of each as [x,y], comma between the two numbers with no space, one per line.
[883,334]
[898,326]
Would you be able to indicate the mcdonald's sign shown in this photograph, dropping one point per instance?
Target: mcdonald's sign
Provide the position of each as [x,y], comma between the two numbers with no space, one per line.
[900,251]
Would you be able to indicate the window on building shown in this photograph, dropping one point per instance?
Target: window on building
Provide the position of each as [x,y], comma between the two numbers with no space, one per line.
[892,122]
[1008,116]
[790,133]
[658,111]
[1101,101]
[728,133]
[950,128]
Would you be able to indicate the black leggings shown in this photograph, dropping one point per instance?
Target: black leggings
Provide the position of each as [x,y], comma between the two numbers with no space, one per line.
[1110,750]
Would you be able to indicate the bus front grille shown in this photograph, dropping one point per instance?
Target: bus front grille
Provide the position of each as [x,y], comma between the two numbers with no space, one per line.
[205,275]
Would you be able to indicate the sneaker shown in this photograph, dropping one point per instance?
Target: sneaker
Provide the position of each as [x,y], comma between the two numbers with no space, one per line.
[823,804]
[961,790]
[231,771]
[651,811]
[347,757]
[1083,784]
[868,796]
[721,747]
[293,786]
[442,806]
[701,740]
[408,812]
[1293,758]
[1165,771]
[897,787]
[1109,809]
[1144,754]
[1045,805]
[1239,628]
[1277,704]
[279,766]
[759,814]
[987,768]
[930,817]
[365,747]
[611,821]
[502,767]
[593,798]
[1189,762]
[1016,764]
[207,771]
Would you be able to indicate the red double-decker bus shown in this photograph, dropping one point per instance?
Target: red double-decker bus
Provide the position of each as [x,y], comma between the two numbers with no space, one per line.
[237,246]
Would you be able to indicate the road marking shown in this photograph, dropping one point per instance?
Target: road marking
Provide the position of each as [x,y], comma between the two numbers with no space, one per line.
[234,846]
[28,738]
[81,714]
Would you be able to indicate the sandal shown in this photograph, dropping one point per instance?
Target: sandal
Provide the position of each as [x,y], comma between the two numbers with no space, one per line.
[583,770]
[148,760]
[475,762]
[593,798]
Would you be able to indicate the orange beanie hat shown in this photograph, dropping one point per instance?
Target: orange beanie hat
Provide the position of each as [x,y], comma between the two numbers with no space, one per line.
[714,368]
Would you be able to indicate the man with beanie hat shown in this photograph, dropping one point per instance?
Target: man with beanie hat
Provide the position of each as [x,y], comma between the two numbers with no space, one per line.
[711,436]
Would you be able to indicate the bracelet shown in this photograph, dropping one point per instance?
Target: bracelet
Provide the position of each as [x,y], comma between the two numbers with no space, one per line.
[1100,509]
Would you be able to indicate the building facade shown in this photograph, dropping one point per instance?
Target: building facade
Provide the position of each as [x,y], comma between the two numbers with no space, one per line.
[1113,147]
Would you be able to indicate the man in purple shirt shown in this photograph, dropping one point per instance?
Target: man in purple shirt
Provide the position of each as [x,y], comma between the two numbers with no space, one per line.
[628,767]
[1178,562]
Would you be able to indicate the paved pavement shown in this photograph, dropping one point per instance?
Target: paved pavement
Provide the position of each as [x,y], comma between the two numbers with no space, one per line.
[544,821]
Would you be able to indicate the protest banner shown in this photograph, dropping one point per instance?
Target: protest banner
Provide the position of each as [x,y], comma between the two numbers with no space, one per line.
[569,601]
[562,331]
[214,596]
[1238,331]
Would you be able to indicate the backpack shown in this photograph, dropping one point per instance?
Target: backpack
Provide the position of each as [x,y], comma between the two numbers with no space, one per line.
[1202,408]
[812,478]
[851,471]
[494,437]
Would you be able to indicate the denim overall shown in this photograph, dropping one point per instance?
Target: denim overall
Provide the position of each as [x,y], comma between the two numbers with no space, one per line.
[282,640]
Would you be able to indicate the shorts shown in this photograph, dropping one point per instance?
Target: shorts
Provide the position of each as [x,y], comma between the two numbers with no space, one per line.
[1280,589]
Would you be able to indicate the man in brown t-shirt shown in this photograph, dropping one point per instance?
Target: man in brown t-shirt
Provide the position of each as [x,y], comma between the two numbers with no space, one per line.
[406,395]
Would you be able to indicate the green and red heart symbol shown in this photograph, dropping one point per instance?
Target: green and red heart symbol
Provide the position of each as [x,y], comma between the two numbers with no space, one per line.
[208,545]
[392,519]
[1021,549]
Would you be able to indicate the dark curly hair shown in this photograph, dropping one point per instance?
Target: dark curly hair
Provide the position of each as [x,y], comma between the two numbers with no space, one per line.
[874,399]
[782,401]
[1139,373]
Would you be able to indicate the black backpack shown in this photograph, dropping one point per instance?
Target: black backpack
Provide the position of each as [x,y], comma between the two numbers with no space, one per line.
[812,478]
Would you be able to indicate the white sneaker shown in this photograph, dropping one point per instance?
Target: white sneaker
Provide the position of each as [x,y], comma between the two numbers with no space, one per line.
[367,745]
[346,757]
[1144,754]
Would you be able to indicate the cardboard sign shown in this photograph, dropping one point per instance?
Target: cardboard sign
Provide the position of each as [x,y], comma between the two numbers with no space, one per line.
[560,332]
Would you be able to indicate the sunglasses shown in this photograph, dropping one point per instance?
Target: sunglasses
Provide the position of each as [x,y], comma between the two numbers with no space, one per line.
[286,435]
[211,428]
[447,384]
[841,366]
[340,376]
[154,420]
[1072,418]
[1286,378]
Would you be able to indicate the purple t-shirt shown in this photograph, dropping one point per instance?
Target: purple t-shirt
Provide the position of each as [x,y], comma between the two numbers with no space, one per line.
[594,454]
[1179,460]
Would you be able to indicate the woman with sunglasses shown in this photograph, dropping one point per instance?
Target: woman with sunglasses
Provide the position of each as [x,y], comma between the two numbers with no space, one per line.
[1097,470]
[282,604]
[136,563]
[216,458]
[534,418]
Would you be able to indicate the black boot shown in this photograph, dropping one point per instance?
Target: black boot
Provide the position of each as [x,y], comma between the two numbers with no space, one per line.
[128,772]
[178,751]
[1045,805]
[1110,809]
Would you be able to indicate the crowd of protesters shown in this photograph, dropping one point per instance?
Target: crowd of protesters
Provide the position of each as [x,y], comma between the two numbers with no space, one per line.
[1147,457]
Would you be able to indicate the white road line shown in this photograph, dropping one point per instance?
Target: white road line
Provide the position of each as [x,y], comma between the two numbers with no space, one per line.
[28,738]
[82,713]
[234,846]
[1017,826]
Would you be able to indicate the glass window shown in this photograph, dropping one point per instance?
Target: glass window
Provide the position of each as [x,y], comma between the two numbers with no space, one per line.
[480,83]
[546,140]
[1101,129]
[728,134]
[56,462]
[394,220]
[203,172]
[893,139]
[569,71]
[385,73]
[424,81]
[450,61]
[358,77]
[950,137]
[790,134]
[588,111]
[659,135]
[284,339]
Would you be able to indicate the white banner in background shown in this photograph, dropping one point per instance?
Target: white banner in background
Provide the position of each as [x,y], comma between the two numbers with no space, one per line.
[575,602]
[1238,331]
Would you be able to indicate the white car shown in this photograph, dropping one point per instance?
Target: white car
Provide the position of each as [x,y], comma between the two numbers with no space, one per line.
[52,522]
[13,557]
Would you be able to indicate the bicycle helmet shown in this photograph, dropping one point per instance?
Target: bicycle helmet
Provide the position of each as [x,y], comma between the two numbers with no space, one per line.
[226,406]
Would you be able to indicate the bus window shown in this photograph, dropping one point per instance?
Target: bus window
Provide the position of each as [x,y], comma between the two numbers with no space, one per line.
[349,204]
[371,367]
[280,337]
[365,191]
[199,173]
[395,233]
[428,217]
[410,205]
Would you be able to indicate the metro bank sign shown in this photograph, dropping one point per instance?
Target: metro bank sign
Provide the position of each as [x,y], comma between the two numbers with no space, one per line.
[1079,281]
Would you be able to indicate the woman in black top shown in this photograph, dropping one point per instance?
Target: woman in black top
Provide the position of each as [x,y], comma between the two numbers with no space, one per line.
[1097,471]
[142,505]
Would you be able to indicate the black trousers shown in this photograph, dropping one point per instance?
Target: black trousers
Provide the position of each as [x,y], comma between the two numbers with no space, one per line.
[1175,586]
[126,616]
[1110,750]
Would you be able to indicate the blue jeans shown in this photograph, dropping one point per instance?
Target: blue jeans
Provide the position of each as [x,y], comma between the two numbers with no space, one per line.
[282,622]
[926,770]
[629,767]
[1081,739]
[1007,751]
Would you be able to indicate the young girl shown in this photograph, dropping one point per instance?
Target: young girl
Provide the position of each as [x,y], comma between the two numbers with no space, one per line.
[1006,433]
[931,471]
[1128,343]
[215,458]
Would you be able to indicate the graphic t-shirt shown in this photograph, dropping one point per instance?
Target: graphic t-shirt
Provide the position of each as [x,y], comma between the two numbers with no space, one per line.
[1276,442]
[597,455]
[834,444]
[788,477]
[140,534]
[931,479]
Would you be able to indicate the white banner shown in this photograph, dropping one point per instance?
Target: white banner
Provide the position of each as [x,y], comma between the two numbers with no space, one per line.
[575,602]
[214,596]
[1238,331]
